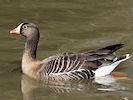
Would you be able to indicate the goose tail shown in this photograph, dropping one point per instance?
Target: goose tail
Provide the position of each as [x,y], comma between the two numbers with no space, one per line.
[107,69]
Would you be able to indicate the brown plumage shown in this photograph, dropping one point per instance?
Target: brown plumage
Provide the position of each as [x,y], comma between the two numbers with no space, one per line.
[66,66]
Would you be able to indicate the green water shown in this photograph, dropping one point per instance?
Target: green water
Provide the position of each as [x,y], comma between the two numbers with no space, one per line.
[65,26]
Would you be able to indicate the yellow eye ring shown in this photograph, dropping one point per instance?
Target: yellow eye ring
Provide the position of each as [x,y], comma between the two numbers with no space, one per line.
[24,26]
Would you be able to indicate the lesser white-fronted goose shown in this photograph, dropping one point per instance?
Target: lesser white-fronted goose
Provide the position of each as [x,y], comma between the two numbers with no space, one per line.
[66,66]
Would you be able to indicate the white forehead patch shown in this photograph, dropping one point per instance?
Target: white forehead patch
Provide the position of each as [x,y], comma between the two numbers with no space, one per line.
[19,27]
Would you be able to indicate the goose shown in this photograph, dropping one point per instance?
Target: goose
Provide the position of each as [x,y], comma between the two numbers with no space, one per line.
[66,66]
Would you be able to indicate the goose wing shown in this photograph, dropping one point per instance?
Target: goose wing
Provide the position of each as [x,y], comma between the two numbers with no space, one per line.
[78,64]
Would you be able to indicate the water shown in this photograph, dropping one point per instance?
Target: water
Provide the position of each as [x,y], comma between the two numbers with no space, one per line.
[65,26]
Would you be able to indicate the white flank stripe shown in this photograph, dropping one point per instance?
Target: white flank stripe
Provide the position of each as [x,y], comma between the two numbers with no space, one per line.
[62,73]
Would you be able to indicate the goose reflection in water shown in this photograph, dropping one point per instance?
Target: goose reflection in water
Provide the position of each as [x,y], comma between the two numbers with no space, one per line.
[29,86]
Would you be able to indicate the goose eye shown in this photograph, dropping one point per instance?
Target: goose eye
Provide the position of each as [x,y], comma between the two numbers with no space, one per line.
[24,26]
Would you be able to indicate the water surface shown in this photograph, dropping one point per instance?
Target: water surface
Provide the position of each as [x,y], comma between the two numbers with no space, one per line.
[65,26]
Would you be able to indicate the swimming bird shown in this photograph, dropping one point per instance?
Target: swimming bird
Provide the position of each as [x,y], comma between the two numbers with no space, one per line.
[66,66]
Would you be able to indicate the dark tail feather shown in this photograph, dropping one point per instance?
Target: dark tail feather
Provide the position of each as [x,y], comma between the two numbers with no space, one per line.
[123,57]
[112,48]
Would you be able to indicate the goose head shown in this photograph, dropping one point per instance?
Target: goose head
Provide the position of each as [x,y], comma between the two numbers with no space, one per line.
[28,30]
